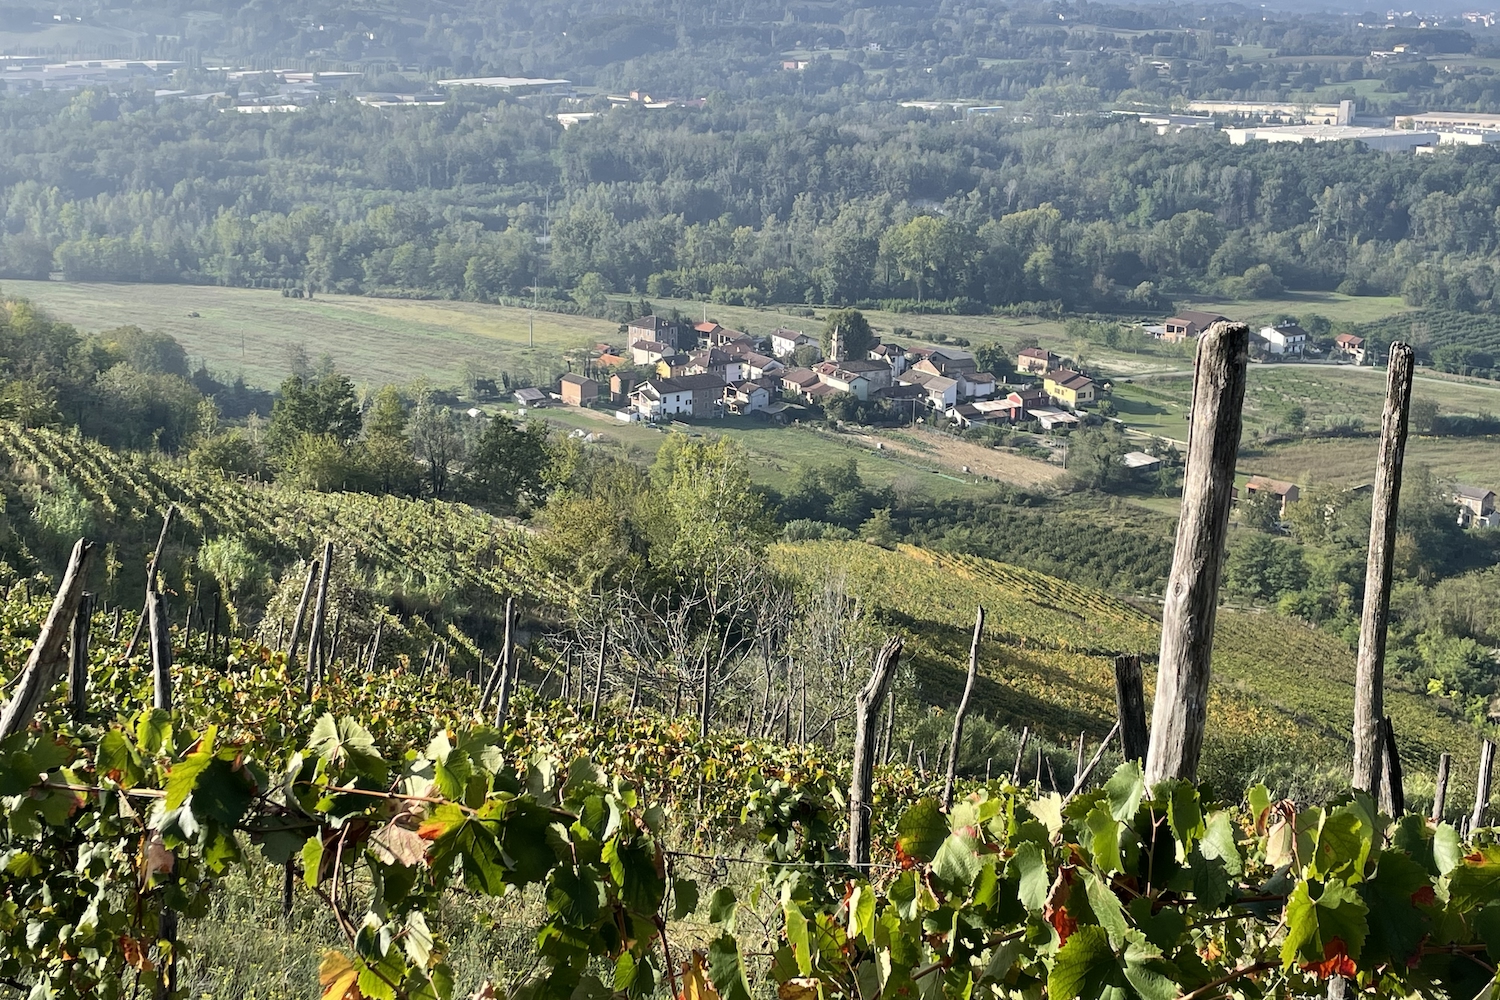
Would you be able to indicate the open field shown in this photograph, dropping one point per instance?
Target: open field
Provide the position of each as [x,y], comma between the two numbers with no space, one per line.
[1337,308]
[251,331]
[1351,461]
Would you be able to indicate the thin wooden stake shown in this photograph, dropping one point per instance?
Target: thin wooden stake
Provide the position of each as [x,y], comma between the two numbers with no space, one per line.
[151,569]
[307,589]
[1440,790]
[507,666]
[161,651]
[599,675]
[78,658]
[1392,787]
[1130,706]
[867,707]
[1482,785]
[46,662]
[375,643]
[315,634]
[1369,677]
[963,709]
[1192,594]
[1015,772]
[1088,770]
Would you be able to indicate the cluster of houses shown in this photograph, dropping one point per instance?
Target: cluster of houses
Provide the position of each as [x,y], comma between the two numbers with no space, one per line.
[1281,340]
[706,370]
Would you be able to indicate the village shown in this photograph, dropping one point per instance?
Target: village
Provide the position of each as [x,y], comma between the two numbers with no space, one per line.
[671,370]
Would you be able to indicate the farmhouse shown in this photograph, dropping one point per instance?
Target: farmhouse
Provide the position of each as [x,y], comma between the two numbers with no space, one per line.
[785,342]
[577,390]
[747,397]
[1286,492]
[1476,506]
[1036,361]
[1285,338]
[1188,324]
[654,328]
[1351,347]
[698,396]
[1068,387]
[649,352]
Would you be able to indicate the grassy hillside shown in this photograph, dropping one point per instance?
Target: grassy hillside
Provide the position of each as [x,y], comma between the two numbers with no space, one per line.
[1282,693]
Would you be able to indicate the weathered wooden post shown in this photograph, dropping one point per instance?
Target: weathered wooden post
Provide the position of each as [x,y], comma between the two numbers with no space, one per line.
[1192,594]
[307,589]
[507,666]
[151,568]
[599,675]
[161,651]
[866,709]
[1482,785]
[375,643]
[1440,789]
[963,709]
[46,661]
[315,633]
[1087,770]
[1392,784]
[1369,677]
[1015,772]
[78,658]
[1130,706]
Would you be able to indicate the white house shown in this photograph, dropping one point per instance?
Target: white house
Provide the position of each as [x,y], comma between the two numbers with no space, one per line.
[687,395]
[649,352]
[1287,338]
[785,342]
[942,392]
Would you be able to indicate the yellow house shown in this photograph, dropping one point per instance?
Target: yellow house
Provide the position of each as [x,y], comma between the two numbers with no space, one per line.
[1068,387]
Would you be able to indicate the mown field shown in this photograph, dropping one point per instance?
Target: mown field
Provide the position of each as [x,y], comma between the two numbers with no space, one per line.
[1281,691]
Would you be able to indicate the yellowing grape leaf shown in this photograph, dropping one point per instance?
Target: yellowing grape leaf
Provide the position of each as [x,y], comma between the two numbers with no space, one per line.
[695,984]
[802,988]
[396,845]
[338,977]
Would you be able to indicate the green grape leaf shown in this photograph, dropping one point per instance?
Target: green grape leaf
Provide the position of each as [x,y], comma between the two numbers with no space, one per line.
[722,908]
[1184,813]
[1149,975]
[183,777]
[116,757]
[1487,929]
[1086,968]
[956,862]
[1125,790]
[1318,924]
[1030,868]
[1391,896]
[1104,839]
[1107,909]
[1447,849]
[634,870]
[726,968]
[921,830]
[684,898]
[312,860]
[797,937]
[153,730]
[862,913]
[1476,880]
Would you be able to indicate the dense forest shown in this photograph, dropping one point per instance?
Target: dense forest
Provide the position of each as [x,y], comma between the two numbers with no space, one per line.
[487,198]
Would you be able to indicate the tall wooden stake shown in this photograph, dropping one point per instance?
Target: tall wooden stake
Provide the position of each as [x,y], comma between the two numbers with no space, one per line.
[866,709]
[963,709]
[1440,790]
[307,589]
[1482,785]
[1015,772]
[1369,676]
[1392,785]
[78,658]
[151,568]
[1130,706]
[315,633]
[507,665]
[46,662]
[1192,595]
[599,675]
[161,651]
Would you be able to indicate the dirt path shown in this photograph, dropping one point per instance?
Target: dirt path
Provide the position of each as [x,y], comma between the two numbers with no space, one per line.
[953,455]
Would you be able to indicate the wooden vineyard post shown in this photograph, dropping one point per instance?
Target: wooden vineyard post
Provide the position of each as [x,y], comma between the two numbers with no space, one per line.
[705,699]
[1087,770]
[1130,706]
[1482,785]
[78,658]
[963,709]
[1392,785]
[375,643]
[1369,676]
[151,568]
[161,651]
[1440,789]
[1015,772]
[307,589]
[866,710]
[315,633]
[507,666]
[599,675]
[46,661]
[1192,593]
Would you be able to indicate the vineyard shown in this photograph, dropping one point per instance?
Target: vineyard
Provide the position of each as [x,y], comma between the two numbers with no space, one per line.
[417,851]
[1431,330]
